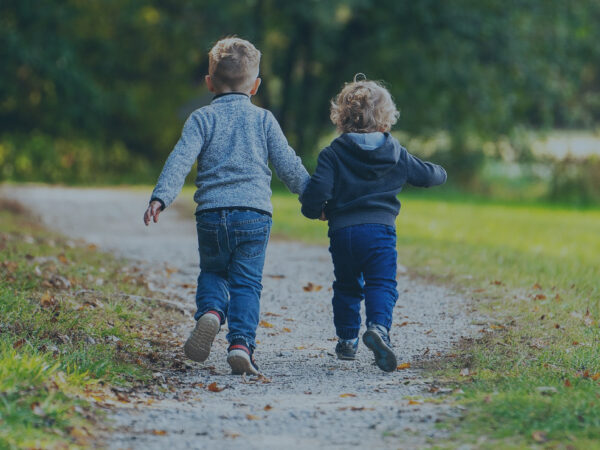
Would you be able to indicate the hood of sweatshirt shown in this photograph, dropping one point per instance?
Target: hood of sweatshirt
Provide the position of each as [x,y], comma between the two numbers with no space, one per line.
[367,155]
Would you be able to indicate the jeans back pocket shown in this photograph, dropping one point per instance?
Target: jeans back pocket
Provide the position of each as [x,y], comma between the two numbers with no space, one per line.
[208,241]
[251,243]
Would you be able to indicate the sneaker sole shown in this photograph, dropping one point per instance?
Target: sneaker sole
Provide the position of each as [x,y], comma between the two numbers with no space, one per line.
[197,347]
[384,356]
[346,358]
[240,363]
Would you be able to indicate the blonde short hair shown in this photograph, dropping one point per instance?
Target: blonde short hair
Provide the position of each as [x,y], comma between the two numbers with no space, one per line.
[363,106]
[233,63]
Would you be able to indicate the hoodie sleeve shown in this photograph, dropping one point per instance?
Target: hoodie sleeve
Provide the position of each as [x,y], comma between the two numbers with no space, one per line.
[423,173]
[179,162]
[320,187]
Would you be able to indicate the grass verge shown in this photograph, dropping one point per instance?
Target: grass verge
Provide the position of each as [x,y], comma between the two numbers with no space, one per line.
[70,341]
[533,374]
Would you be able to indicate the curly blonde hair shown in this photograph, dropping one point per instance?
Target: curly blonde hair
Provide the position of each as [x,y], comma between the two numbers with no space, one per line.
[363,106]
[233,63]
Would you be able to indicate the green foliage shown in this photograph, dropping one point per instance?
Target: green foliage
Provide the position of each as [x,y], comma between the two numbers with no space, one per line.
[33,409]
[576,181]
[128,71]
[40,157]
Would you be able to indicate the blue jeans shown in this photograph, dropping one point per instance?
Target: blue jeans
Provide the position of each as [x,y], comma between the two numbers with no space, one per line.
[232,246]
[364,260]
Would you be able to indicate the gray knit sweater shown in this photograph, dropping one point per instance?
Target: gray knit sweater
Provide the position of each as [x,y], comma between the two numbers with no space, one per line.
[233,141]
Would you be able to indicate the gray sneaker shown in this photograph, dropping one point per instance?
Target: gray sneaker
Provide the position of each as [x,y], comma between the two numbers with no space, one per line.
[346,349]
[198,345]
[377,339]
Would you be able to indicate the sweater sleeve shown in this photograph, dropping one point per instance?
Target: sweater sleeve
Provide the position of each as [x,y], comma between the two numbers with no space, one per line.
[320,187]
[288,166]
[179,162]
[423,173]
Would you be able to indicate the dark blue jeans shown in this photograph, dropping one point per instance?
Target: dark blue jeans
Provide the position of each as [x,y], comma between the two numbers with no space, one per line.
[364,261]
[232,246]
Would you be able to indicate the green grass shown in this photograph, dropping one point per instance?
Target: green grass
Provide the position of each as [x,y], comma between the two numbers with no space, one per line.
[63,342]
[534,270]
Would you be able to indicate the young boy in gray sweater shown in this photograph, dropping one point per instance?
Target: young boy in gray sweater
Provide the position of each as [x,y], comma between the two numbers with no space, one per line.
[232,140]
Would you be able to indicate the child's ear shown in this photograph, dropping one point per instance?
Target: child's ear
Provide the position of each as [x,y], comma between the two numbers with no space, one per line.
[255,87]
[209,83]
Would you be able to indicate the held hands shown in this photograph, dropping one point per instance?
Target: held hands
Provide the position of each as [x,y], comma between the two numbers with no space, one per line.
[153,211]
[323,216]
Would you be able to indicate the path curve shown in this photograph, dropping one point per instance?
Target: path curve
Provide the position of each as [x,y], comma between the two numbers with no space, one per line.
[307,405]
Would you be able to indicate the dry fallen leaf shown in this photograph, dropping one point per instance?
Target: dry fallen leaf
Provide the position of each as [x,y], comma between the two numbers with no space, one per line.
[159,432]
[286,330]
[214,388]
[47,300]
[265,324]
[347,395]
[10,266]
[272,314]
[37,409]
[252,417]
[539,297]
[568,383]
[268,407]
[80,436]
[122,397]
[63,259]
[170,271]
[310,287]
[403,366]
[537,286]
[413,402]
[92,247]
[539,436]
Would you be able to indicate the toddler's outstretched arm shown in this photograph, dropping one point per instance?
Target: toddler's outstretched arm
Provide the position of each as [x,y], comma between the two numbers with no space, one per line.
[422,173]
[319,189]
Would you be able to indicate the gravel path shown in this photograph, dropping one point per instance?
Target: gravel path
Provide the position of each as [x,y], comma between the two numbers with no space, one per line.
[311,399]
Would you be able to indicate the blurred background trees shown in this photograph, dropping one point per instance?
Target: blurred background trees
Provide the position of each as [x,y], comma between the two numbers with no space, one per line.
[110,82]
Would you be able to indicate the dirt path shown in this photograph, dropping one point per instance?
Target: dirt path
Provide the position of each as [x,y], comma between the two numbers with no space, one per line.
[312,399]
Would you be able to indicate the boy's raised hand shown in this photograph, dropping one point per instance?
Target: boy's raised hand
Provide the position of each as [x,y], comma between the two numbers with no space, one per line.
[153,211]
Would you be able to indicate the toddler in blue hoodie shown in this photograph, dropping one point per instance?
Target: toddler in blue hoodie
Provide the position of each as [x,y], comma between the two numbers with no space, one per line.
[355,187]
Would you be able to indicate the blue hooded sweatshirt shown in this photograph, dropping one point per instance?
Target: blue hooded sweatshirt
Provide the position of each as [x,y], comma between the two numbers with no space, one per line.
[359,176]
